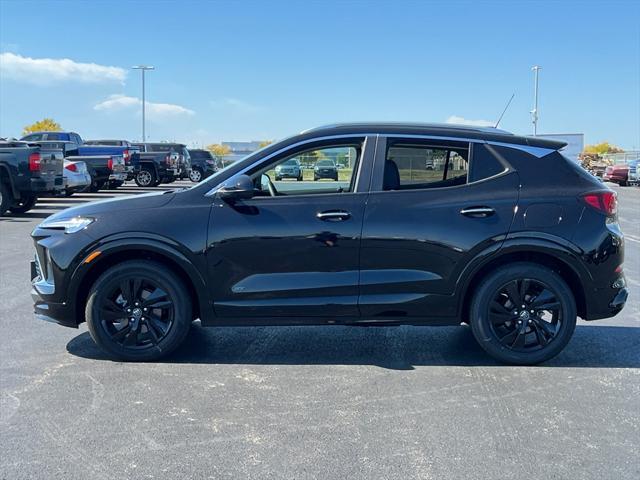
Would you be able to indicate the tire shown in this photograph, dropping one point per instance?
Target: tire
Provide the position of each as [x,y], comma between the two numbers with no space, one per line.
[195,175]
[96,186]
[520,336]
[299,178]
[6,198]
[278,179]
[68,193]
[24,204]
[146,177]
[138,338]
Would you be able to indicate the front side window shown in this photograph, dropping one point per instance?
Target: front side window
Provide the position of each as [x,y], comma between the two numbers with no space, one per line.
[411,166]
[320,170]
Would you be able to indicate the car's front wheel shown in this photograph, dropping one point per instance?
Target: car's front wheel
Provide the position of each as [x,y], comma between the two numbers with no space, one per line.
[138,311]
[523,314]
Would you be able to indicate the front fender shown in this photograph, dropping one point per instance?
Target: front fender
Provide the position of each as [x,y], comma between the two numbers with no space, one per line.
[117,245]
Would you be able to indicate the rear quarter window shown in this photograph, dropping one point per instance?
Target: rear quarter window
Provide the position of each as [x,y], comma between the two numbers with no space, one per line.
[484,164]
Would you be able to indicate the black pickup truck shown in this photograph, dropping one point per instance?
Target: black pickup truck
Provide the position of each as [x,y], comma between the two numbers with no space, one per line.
[105,169]
[27,171]
[153,167]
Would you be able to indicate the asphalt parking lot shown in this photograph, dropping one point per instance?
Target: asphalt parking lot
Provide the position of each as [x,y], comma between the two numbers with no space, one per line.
[313,402]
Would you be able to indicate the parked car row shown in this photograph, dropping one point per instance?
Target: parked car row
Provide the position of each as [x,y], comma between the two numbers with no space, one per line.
[62,163]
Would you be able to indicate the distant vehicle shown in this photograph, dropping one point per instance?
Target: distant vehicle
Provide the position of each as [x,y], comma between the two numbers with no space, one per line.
[105,169]
[151,168]
[633,177]
[114,147]
[76,147]
[325,169]
[76,177]
[27,171]
[496,242]
[203,164]
[617,174]
[289,169]
[180,152]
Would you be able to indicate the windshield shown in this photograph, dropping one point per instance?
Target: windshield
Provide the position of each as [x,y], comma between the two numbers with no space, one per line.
[325,163]
[291,162]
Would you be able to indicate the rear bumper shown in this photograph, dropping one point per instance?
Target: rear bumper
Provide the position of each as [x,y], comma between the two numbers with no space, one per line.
[606,303]
[49,185]
[118,177]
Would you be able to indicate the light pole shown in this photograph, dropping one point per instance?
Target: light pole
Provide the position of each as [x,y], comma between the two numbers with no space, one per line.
[143,68]
[534,112]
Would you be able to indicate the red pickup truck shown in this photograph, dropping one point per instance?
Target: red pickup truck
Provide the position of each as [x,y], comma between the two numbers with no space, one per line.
[617,174]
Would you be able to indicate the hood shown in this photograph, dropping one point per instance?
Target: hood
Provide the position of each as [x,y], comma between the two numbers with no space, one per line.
[117,205]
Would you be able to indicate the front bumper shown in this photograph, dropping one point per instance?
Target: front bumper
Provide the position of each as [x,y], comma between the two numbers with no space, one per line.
[60,313]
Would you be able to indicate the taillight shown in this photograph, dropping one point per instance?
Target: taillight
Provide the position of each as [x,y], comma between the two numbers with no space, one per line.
[604,202]
[167,159]
[127,156]
[110,164]
[34,162]
[72,167]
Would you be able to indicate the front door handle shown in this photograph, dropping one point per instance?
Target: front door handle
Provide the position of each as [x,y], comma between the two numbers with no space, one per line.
[333,215]
[478,212]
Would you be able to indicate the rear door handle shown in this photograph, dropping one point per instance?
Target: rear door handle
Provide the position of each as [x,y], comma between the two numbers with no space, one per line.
[333,215]
[478,212]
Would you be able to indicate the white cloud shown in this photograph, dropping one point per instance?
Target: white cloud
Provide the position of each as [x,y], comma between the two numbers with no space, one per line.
[234,104]
[45,71]
[154,111]
[465,121]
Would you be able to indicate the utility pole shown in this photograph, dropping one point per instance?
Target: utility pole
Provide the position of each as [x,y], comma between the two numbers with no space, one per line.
[534,113]
[143,68]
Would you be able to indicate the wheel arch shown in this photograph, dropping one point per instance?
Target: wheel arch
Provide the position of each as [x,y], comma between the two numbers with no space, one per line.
[5,177]
[86,274]
[553,257]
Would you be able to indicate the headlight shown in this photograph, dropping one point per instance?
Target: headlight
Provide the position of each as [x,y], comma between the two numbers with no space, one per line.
[69,225]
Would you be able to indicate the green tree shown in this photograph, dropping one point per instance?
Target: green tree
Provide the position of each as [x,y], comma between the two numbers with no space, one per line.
[44,125]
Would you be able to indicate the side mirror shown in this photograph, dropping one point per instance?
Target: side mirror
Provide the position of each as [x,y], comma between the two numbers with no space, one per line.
[240,188]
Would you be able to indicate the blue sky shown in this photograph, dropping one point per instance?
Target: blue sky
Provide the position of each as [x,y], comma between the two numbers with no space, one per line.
[264,70]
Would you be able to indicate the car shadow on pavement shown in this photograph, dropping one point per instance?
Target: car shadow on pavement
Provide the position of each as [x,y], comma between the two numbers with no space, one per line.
[398,348]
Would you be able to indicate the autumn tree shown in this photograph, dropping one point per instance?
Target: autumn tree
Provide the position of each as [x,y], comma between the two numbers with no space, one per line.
[264,143]
[218,150]
[592,154]
[602,148]
[44,125]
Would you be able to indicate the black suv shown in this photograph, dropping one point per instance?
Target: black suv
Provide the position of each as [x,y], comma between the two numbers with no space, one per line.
[432,225]
[203,164]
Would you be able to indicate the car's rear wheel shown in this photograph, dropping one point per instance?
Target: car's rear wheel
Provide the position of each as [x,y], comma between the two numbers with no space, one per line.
[96,185]
[195,175]
[138,311]
[523,314]
[5,198]
[24,204]
[145,177]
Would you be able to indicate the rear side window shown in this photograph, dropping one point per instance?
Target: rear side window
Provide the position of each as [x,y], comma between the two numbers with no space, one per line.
[411,166]
[483,163]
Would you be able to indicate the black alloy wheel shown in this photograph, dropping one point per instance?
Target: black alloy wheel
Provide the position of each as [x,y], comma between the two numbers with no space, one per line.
[138,310]
[523,313]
